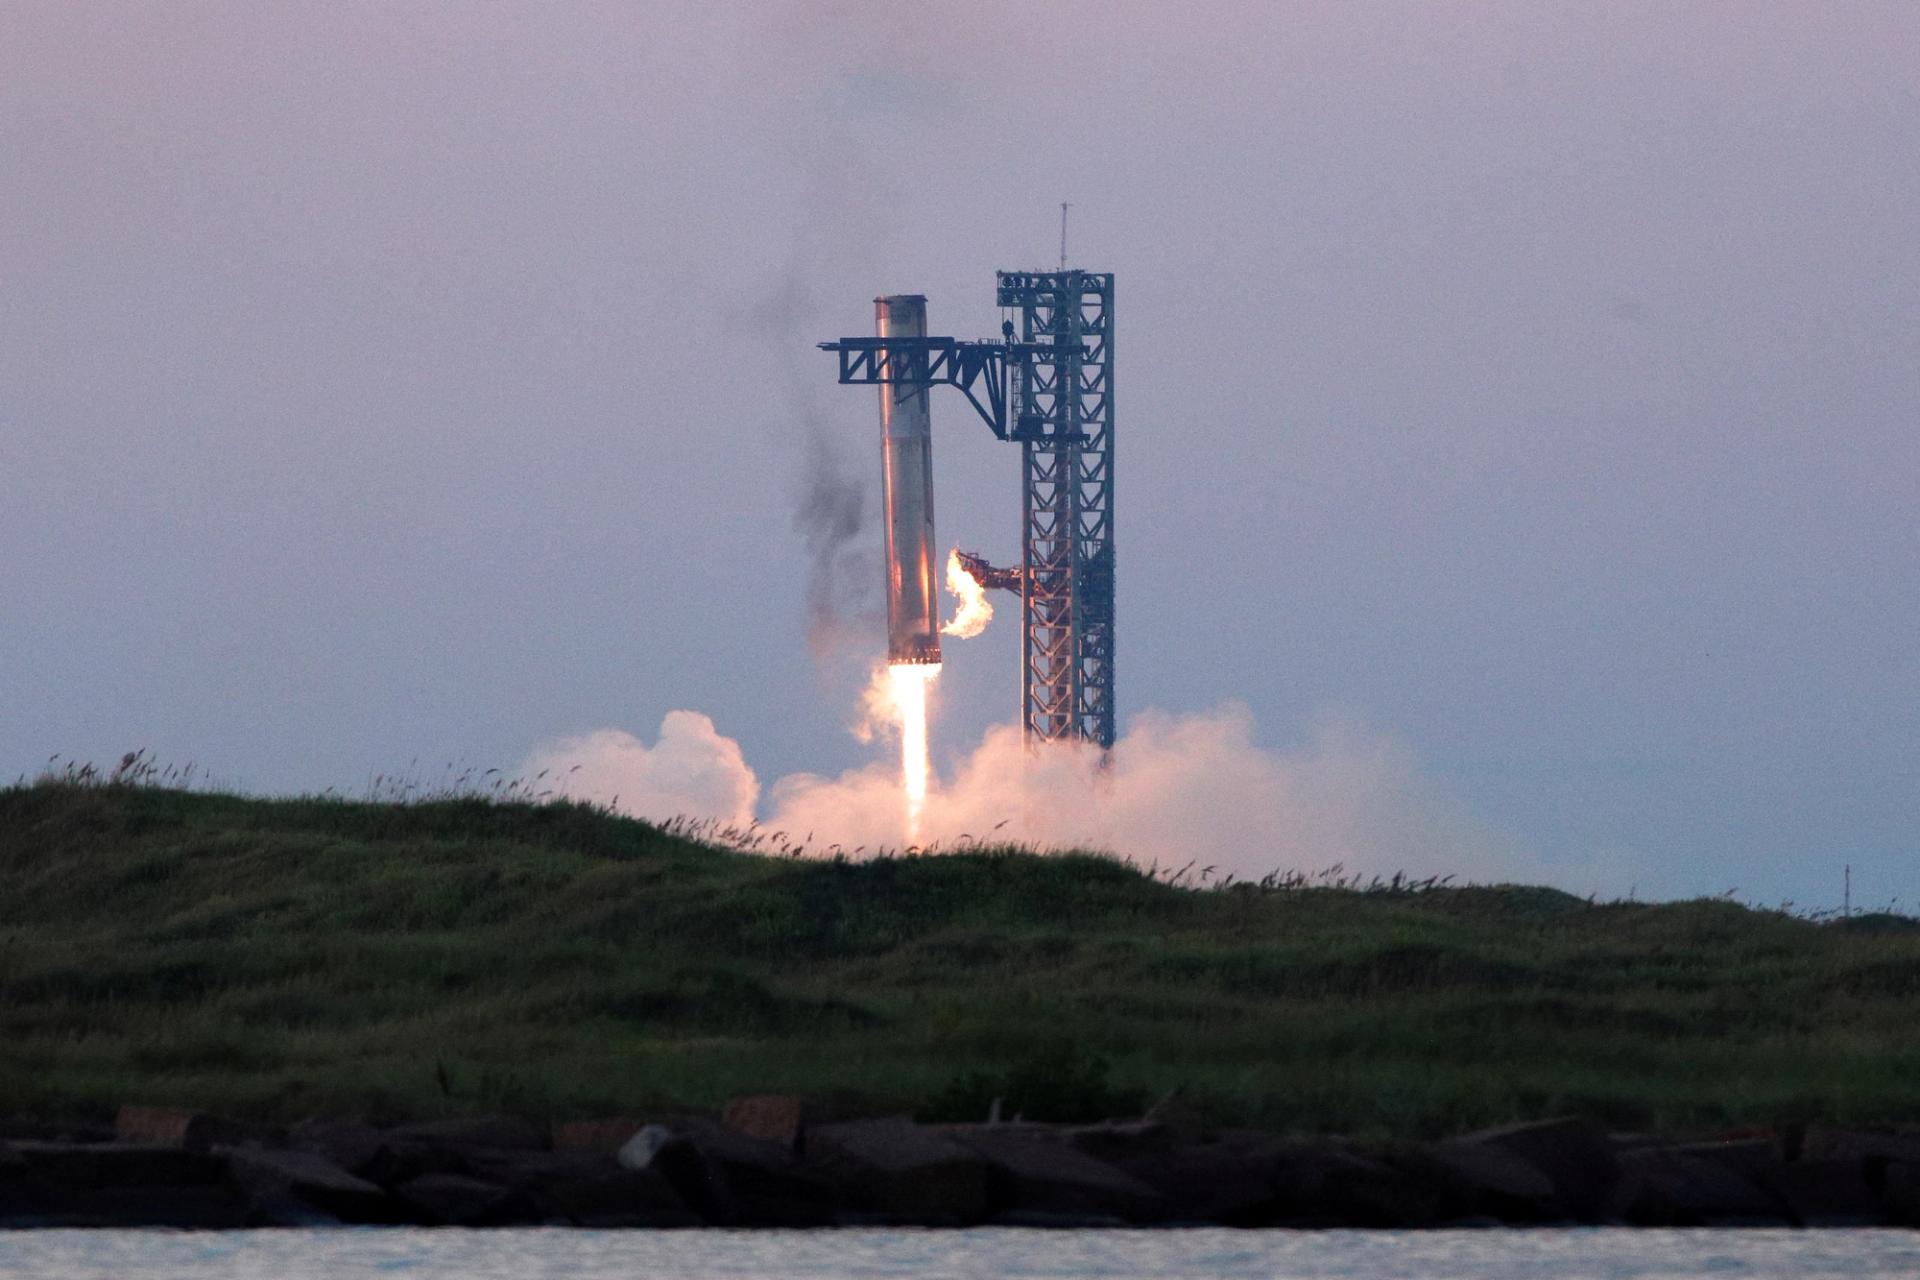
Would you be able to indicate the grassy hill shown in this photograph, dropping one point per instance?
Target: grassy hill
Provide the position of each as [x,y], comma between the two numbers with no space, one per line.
[277,958]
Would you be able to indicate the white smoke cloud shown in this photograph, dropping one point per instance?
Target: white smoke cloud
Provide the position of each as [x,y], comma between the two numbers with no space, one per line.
[693,770]
[1178,789]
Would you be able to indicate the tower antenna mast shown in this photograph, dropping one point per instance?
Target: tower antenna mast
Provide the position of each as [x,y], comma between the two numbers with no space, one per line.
[1063,234]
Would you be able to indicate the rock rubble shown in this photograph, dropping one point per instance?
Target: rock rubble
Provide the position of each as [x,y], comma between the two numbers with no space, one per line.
[779,1164]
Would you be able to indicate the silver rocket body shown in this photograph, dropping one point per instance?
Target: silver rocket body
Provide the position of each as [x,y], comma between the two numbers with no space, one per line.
[906,489]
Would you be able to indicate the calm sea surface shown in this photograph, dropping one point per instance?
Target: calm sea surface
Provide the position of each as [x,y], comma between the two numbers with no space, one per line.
[987,1254]
[935,1255]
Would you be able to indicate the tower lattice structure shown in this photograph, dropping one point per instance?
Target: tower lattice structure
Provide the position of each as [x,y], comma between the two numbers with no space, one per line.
[1048,386]
[1063,414]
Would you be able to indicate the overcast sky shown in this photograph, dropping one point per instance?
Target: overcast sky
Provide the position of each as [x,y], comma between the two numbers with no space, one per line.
[1534,383]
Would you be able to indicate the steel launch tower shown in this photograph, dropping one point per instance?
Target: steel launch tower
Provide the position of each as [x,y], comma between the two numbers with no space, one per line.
[1047,385]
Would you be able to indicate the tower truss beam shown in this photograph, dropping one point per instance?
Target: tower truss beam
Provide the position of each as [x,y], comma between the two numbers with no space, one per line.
[1063,398]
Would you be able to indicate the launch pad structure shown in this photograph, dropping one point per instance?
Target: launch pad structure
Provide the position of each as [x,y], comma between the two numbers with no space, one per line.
[1046,385]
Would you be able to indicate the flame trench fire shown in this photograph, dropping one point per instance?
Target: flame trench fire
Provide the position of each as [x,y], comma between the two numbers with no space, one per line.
[975,610]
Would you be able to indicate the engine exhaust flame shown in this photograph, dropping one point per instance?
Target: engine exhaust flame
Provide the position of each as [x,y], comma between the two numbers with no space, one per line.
[907,685]
[975,611]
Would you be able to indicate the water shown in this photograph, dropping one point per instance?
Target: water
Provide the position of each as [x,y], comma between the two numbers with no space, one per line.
[965,1255]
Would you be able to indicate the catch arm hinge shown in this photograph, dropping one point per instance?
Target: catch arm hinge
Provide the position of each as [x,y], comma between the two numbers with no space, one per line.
[987,576]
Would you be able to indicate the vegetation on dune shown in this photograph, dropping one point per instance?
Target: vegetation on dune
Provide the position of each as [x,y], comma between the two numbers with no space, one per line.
[279,958]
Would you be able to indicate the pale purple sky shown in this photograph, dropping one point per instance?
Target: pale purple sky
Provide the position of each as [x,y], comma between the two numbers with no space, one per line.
[1536,383]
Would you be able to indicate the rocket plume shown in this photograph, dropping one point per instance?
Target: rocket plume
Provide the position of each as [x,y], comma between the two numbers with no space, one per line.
[907,686]
[975,610]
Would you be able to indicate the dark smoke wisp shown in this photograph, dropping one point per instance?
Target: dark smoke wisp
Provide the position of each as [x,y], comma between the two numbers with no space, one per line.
[832,517]
[834,499]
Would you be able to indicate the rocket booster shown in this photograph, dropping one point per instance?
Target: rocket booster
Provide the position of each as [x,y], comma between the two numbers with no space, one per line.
[906,490]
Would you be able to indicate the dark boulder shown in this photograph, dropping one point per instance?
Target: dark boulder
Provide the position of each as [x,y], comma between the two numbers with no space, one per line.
[767,1182]
[401,1159]
[772,1117]
[1750,1157]
[99,1165]
[671,1155]
[1826,1193]
[1873,1150]
[586,1189]
[505,1133]
[448,1146]
[278,1184]
[1574,1154]
[1675,1187]
[102,1185]
[29,1129]
[197,1207]
[194,1130]
[1121,1139]
[454,1200]
[730,1178]
[1829,1142]
[605,1136]
[1900,1193]
[1327,1184]
[895,1168]
[1206,1183]
[350,1144]
[1473,1181]
[1179,1117]
[23,1196]
[1050,1177]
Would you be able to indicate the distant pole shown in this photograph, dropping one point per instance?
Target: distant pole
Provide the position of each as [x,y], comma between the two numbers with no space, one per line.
[1846,896]
[1063,234]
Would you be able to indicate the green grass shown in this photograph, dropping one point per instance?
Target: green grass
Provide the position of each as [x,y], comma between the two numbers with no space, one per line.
[278,958]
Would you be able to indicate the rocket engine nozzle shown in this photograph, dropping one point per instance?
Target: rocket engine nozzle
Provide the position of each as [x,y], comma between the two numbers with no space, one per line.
[915,653]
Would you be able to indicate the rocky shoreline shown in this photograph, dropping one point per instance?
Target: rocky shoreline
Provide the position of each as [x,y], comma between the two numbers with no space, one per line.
[769,1162]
